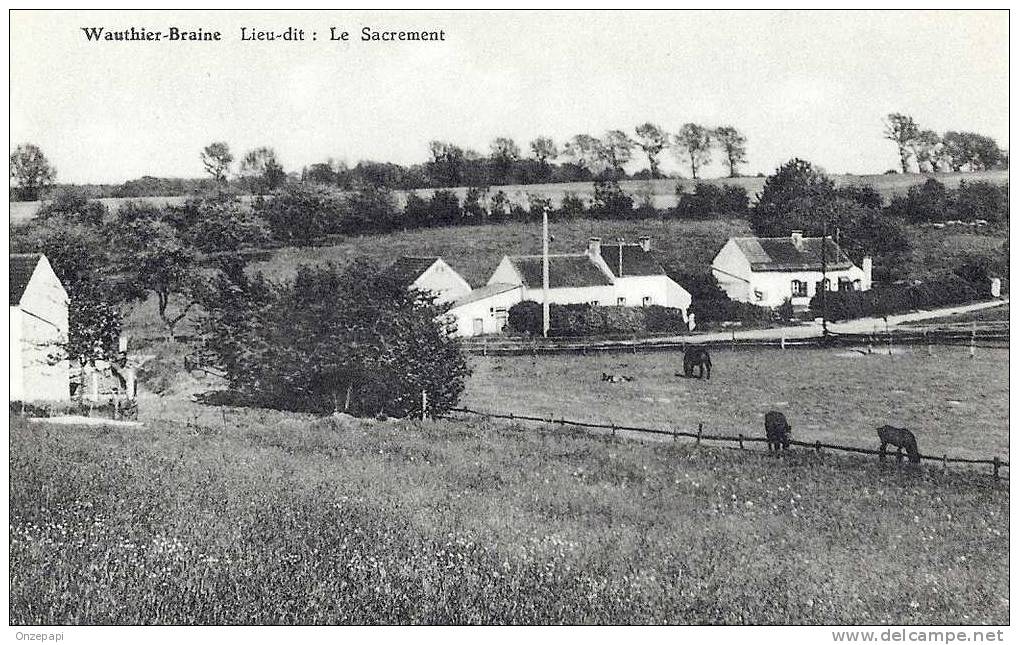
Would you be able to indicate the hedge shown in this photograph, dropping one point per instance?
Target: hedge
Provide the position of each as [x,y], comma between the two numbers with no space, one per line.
[943,290]
[592,320]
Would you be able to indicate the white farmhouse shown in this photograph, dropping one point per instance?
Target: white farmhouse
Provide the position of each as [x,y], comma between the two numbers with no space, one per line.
[430,274]
[38,318]
[767,271]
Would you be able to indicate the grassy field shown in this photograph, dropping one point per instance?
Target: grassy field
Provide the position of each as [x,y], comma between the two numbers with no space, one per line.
[661,191]
[954,404]
[992,315]
[248,516]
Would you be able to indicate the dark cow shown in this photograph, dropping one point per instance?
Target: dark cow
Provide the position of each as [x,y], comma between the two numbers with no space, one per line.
[900,438]
[777,429]
[697,357]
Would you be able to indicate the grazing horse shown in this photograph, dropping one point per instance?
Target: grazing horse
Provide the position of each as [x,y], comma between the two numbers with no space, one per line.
[901,439]
[616,378]
[777,429]
[696,357]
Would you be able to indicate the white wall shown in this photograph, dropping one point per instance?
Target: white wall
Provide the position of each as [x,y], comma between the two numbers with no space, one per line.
[43,326]
[662,290]
[732,272]
[776,286]
[443,281]
[484,310]
[602,294]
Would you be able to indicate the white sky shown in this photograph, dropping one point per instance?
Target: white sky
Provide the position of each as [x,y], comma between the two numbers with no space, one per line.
[809,84]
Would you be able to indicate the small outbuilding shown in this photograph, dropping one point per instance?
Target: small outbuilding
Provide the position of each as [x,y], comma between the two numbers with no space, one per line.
[39,325]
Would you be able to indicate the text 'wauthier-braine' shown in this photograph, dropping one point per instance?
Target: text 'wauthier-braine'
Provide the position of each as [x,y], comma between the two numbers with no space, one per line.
[249,34]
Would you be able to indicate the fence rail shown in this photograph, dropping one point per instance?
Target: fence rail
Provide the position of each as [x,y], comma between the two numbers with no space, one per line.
[995,462]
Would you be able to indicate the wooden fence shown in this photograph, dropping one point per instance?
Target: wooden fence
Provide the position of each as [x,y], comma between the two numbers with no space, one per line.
[994,337]
[996,463]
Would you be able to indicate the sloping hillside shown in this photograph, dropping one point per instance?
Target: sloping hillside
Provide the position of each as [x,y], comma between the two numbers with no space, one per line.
[662,191]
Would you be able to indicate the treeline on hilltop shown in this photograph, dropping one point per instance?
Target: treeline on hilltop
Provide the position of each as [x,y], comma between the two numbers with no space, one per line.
[581,158]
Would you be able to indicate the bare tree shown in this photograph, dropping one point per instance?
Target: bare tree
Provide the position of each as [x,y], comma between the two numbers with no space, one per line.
[901,130]
[693,146]
[734,145]
[585,151]
[652,140]
[216,158]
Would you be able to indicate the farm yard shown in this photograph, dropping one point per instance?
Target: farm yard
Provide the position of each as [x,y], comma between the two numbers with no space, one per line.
[954,404]
[243,516]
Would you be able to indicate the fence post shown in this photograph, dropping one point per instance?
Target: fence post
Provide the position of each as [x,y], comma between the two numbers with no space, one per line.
[741,441]
[997,464]
[817,446]
[700,427]
[783,342]
[484,347]
[944,462]
[424,404]
[973,341]
[734,340]
[613,428]
[927,339]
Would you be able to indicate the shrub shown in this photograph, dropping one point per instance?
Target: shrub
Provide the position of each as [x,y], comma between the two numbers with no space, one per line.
[525,317]
[580,320]
[946,289]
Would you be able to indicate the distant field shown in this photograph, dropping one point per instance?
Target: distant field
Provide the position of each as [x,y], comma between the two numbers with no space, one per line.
[662,191]
[993,315]
[954,404]
[242,516]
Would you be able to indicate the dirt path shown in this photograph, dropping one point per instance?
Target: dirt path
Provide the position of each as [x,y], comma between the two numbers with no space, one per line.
[858,326]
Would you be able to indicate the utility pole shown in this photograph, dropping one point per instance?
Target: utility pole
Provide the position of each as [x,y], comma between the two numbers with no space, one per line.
[824,278]
[544,272]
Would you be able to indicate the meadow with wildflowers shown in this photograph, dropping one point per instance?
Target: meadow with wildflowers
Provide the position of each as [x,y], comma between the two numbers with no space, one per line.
[242,516]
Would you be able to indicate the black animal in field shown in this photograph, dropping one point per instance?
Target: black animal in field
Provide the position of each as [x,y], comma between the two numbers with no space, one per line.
[616,378]
[900,438]
[697,357]
[777,430]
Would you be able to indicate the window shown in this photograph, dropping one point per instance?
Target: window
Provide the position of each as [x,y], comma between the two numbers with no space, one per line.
[857,285]
[845,284]
[621,302]
[799,288]
[827,285]
[593,303]
[758,295]
[646,301]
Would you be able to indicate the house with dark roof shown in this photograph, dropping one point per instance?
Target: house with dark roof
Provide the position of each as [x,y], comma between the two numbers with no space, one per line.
[430,274]
[621,274]
[767,271]
[38,317]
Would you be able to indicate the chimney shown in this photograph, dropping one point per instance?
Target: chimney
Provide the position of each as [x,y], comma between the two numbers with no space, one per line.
[645,242]
[868,269]
[594,247]
[797,237]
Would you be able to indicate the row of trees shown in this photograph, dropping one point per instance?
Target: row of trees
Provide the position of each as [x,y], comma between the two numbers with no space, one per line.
[933,152]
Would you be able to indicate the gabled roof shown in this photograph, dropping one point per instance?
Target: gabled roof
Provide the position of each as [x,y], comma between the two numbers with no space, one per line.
[22,267]
[484,292]
[409,268]
[567,270]
[636,261]
[784,254]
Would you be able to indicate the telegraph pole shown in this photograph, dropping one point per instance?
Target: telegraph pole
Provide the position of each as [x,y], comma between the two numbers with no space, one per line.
[544,272]
[824,278]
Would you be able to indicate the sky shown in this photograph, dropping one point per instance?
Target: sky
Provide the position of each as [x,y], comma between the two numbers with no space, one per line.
[814,85]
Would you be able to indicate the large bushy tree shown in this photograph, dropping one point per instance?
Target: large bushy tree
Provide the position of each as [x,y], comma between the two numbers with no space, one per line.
[31,171]
[354,341]
[693,146]
[734,146]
